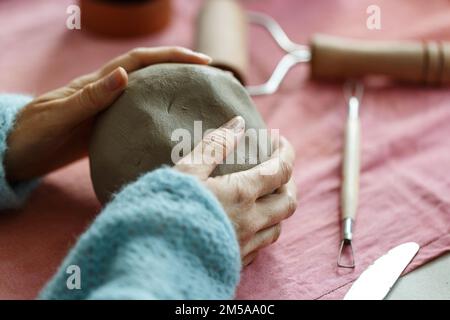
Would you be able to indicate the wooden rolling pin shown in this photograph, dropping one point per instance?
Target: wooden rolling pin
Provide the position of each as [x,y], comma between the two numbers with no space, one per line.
[408,61]
[222,34]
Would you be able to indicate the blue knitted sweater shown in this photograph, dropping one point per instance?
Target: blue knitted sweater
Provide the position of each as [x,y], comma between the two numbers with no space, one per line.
[163,236]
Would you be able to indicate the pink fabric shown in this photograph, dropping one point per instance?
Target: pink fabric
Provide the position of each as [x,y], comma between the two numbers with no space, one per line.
[405,186]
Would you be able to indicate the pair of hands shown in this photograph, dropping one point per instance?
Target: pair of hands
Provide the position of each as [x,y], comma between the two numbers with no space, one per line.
[54,129]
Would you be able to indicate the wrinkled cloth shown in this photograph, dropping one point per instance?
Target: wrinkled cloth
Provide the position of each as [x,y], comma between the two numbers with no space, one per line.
[405,188]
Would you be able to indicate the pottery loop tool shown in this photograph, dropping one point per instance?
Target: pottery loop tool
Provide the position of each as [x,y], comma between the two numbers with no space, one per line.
[335,58]
[353,92]
[222,33]
[295,54]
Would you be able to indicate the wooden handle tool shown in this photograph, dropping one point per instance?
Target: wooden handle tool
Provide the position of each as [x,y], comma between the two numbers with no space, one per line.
[350,170]
[407,61]
[222,34]
[335,58]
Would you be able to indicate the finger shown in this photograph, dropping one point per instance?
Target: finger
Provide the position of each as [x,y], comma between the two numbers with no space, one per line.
[289,187]
[262,239]
[213,149]
[276,207]
[142,57]
[270,175]
[249,258]
[94,97]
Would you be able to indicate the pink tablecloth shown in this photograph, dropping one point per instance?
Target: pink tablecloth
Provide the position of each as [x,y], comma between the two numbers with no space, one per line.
[405,186]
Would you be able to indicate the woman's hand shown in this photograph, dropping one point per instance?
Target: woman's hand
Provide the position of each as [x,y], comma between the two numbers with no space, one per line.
[54,129]
[255,201]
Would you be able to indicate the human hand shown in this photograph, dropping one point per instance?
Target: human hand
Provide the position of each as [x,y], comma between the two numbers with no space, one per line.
[256,203]
[54,129]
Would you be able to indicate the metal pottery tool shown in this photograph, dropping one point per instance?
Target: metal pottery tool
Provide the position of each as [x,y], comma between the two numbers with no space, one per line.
[295,54]
[378,279]
[222,33]
[350,170]
[336,58]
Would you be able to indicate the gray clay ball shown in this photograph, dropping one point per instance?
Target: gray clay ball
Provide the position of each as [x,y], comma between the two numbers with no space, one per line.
[135,135]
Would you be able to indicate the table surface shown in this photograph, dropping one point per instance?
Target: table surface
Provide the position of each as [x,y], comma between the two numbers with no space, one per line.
[429,282]
[405,193]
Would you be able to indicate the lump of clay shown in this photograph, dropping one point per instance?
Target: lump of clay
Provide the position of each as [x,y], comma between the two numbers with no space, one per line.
[135,135]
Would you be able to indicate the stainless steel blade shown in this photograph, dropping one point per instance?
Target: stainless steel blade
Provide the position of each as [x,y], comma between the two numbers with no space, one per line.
[378,279]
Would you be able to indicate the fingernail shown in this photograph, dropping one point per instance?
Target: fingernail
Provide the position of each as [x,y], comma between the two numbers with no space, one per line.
[236,124]
[203,56]
[198,54]
[114,80]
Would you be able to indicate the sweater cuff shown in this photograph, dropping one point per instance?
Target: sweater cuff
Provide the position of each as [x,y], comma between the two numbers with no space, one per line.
[196,227]
[11,196]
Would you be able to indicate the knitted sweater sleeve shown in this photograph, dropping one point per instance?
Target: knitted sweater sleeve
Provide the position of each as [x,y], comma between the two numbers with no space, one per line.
[11,196]
[162,237]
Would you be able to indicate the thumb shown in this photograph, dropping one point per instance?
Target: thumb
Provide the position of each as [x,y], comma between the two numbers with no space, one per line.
[213,149]
[96,96]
